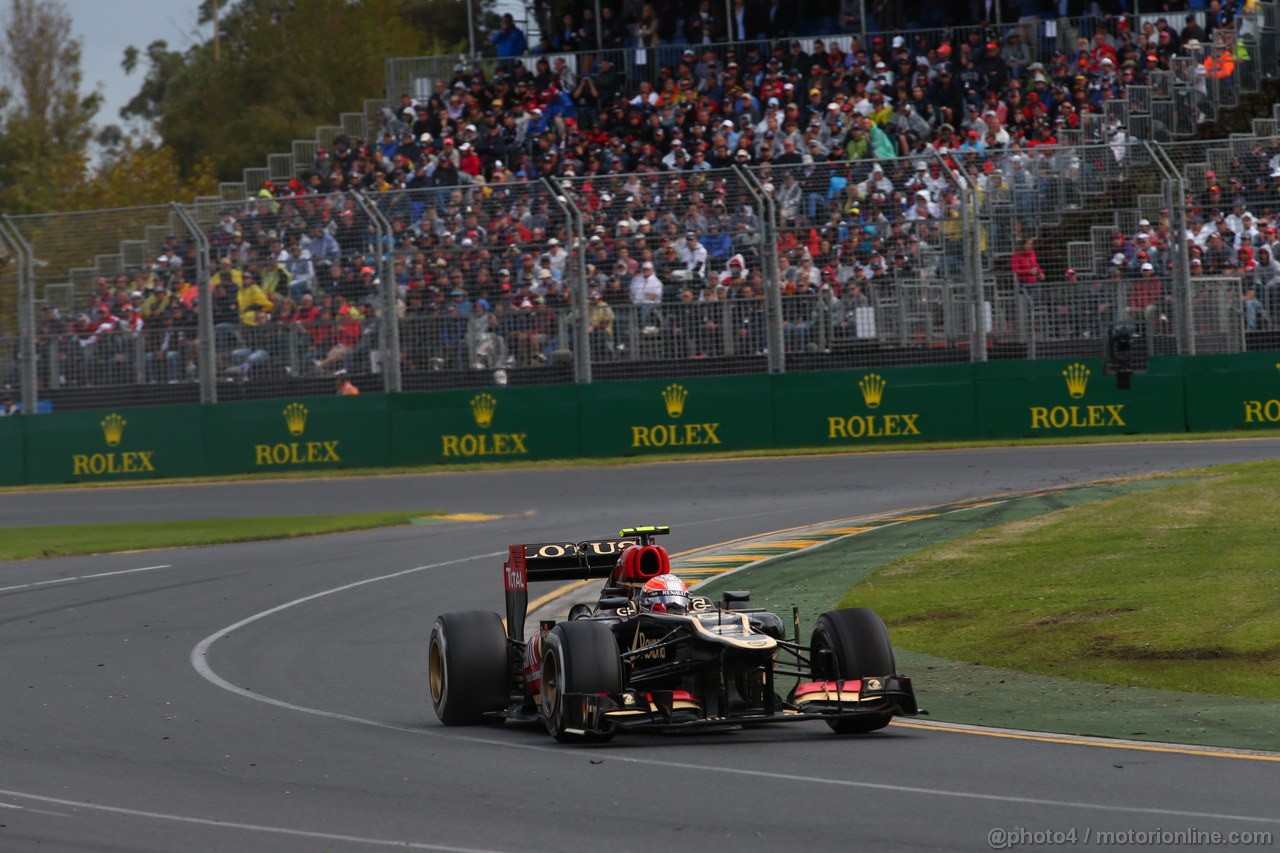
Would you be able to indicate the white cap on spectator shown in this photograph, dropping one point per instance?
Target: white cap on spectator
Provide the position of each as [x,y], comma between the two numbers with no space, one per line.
[470,127]
[544,273]
[899,41]
[726,123]
[606,198]
[1147,267]
[553,242]
[282,257]
[466,146]
[1143,223]
[137,294]
[1118,259]
[466,241]
[425,139]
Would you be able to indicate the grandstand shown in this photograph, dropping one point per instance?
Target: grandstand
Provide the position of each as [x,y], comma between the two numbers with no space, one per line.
[888,197]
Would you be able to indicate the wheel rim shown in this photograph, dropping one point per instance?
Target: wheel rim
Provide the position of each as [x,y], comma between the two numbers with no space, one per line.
[436,671]
[823,659]
[550,689]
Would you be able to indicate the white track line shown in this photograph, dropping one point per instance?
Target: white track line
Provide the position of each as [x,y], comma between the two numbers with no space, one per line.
[199,660]
[83,578]
[297,833]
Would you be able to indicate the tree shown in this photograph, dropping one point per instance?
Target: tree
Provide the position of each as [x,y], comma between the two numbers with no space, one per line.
[283,69]
[45,125]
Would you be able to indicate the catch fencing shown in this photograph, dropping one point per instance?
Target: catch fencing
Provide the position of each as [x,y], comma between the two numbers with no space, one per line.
[818,264]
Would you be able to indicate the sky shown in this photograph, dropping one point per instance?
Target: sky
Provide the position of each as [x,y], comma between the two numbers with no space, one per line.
[106,27]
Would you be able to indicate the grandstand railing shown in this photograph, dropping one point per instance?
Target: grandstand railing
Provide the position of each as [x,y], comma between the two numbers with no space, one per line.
[791,267]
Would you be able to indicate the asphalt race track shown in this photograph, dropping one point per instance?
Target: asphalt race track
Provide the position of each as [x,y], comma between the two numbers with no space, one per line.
[273,696]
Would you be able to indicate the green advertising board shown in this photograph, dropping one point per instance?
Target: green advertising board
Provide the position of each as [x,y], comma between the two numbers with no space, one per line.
[1065,397]
[1240,391]
[12,460]
[303,433]
[871,406]
[697,415]
[491,425]
[119,444]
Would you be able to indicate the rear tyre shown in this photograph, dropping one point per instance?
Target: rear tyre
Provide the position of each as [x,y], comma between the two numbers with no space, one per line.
[852,644]
[577,657]
[468,667]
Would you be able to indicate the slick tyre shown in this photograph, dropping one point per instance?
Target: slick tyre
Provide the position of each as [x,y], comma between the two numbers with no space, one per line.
[577,657]
[852,644]
[468,667]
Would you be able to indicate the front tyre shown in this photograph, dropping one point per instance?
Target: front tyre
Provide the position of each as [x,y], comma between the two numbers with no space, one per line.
[468,667]
[852,644]
[577,657]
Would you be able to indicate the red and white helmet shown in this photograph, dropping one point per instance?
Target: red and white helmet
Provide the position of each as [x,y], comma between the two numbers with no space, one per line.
[664,594]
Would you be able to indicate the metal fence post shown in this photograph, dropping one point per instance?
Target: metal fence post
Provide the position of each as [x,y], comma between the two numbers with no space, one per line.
[1175,195]
[27,330]
[208,353]
[389,327]
[581,346]
[777,357]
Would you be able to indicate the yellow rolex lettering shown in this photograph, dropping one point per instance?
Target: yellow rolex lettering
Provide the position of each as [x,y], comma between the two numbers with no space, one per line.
[1077,417]
[331,452]
[890,424]
[909,424]
[639,436]
[1252,411]
[710,430]
[836,428]
[79,464]
[262,454]
[449,445]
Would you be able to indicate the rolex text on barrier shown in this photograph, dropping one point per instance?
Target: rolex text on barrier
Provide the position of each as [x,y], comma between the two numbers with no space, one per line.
[499,424]
[691,415]
[867,406]
[1239,391]
[304,433]
[1074,397]
[160,441]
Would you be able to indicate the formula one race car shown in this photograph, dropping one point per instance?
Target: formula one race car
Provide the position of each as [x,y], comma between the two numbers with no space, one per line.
[649,656]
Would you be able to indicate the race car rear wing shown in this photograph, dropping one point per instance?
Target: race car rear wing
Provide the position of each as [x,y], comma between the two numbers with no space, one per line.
[556,561]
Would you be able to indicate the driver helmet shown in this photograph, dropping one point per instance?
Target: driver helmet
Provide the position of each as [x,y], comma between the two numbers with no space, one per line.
[664,594]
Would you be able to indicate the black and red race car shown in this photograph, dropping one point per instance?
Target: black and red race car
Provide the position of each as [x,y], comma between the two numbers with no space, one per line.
[618,666]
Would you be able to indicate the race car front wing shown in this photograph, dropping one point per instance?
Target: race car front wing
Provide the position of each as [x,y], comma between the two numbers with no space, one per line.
[658,710]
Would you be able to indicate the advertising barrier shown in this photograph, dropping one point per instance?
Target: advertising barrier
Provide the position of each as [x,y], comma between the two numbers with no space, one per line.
[305,433]
[491,425]
[873,406]
[1232,391]
[697,415]
[1073,397]
[12,453]
[114,444]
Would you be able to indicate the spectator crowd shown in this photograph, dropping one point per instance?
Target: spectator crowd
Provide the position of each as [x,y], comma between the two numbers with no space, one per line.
[862,147]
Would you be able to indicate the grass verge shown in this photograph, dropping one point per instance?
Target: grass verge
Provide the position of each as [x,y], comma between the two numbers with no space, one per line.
[656,458]
[1173,589]
[63,540]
